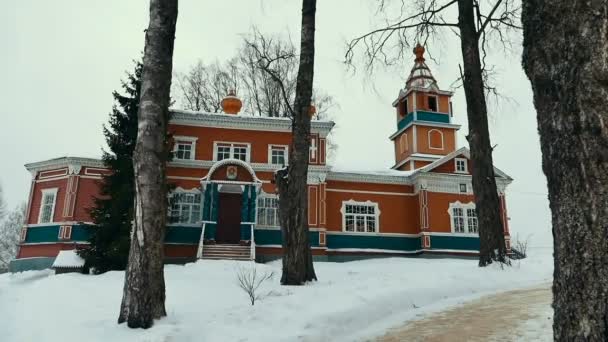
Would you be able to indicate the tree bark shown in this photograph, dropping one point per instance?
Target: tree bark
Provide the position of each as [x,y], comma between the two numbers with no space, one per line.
[144,289]
[491,232]
[565,57]
[292,182]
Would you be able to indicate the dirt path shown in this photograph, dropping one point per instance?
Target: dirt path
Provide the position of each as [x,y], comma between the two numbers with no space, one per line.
[492,318]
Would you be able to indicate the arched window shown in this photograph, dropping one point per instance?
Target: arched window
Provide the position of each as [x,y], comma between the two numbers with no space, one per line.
[436,139]
[403,143]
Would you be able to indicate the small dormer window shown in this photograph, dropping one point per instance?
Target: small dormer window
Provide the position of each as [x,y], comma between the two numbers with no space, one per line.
[432,103]
[461,165]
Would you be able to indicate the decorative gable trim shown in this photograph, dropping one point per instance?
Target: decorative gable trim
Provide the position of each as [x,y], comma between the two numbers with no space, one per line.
[466,153]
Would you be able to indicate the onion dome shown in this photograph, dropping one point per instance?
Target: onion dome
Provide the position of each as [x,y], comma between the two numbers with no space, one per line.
[231,104]
[421,76]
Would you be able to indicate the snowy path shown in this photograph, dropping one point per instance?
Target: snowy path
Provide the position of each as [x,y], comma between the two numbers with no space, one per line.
[520,315]
[352,301]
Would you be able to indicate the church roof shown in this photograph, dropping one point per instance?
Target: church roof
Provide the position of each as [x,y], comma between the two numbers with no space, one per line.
[421,76]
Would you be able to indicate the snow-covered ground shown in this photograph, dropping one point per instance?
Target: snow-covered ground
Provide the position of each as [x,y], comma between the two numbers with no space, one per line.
[351,301]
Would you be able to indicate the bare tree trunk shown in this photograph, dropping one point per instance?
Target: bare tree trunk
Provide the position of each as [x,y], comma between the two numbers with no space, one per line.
[144,290]
[566,59]
[491,231]
[292,183]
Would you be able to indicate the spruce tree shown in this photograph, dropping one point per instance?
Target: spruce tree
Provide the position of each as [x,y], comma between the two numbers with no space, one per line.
[113,211]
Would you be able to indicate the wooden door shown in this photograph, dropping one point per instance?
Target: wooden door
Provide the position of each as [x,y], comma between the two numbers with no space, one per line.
[229,220]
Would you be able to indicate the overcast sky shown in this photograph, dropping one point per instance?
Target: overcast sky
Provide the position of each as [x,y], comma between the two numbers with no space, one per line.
[62,59]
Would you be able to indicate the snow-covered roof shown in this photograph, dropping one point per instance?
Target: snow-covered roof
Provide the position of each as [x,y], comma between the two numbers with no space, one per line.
[392,176]
[383,176]
[55,163]
[243,121]
[461,151]
[68,259]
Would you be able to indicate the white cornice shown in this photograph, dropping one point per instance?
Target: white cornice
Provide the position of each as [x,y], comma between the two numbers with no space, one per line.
[73,163]
[368,178]
[245,122]
[405,92]
[257,167]
[424,123]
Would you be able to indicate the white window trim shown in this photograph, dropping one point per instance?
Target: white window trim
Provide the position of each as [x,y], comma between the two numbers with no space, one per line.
[44,192]
[429,139]
[353,202]
[464,207]
[180,190]
[285,148]
[436,102]
[466,166]
[65,233]
[466,188]
[23,234]
[232,143]
[180,138]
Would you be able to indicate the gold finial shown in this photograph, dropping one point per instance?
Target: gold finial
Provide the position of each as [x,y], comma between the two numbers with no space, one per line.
[419,52]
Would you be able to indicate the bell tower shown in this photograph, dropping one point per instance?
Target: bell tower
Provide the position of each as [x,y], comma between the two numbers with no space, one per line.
[425,131]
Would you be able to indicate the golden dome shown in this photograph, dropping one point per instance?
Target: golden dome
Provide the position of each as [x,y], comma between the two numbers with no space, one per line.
[231,104]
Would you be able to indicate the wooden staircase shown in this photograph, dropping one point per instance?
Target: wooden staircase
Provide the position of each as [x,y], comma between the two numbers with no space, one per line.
[226,251]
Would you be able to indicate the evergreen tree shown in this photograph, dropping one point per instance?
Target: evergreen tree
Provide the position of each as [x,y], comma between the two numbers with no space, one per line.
[113,210]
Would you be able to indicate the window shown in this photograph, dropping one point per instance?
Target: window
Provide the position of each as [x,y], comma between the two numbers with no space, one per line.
[183,151]
[268,212]
[432,103]
[47,205]
[458,218]
[403,143]
[184,148]
[277,155]
[472,220]
[360,217]
[461,165]
[463,188]
[403,108]
[65,232]
[239,152]
[223,152]
[435,137]
[231,150]
[185,208]
[463,218]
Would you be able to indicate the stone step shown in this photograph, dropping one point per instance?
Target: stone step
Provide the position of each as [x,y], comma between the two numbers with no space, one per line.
[226,258]
[227,255]
[246,248]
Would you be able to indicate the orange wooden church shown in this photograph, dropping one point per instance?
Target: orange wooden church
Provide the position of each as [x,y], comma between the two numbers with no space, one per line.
[224,204]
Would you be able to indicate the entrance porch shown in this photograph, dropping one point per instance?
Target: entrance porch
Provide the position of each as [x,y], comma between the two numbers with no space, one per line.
[230,191]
